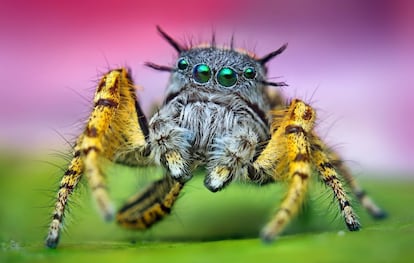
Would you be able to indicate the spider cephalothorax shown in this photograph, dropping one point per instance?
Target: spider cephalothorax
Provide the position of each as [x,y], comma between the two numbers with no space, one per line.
[218,111]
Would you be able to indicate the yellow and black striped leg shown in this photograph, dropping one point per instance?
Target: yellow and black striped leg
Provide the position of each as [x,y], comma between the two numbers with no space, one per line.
[330,177]
[292,135]
[293,200]
[68,183]
[115,131]
[151,205]
[93,146]
[373,209]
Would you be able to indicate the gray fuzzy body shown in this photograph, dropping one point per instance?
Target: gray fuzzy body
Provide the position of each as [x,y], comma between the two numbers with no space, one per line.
[211,124]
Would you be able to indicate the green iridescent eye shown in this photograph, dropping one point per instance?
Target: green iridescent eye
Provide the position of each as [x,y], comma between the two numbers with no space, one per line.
[202,73]
[249,73]
[182,64]
[227,77]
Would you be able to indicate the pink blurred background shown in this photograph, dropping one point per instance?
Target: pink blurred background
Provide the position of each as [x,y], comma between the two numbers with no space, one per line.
[352,59]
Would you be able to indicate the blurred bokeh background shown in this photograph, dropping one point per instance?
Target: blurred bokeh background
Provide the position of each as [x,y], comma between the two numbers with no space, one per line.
[352,59]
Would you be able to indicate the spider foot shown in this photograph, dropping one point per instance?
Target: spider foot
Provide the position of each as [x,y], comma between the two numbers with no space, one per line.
[350,219]
[52,239]
[218,178]
[177,166]
[267,237]
[380,215]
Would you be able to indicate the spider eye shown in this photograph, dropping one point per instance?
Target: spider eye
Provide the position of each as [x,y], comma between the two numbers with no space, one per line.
[249,73]
[202,73]
[227,77]
[182,64]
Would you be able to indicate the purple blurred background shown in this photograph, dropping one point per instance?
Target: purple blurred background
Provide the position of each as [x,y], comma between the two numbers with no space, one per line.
[353,60]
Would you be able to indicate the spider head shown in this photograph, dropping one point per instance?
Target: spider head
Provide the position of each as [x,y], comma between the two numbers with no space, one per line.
[217,69]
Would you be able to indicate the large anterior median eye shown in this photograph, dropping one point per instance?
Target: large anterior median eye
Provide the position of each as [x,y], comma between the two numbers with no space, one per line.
[227,77]
[202,73]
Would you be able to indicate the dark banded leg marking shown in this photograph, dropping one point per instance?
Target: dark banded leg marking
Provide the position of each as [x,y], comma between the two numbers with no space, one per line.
[107,103]
[294,129]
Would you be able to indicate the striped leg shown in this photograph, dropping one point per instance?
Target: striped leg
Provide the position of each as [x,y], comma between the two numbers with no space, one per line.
[291,134]
[373,209]
[151,205]
[330,177]
[293,200]
[294,145]
[68,183]
[112,128]
[116,131]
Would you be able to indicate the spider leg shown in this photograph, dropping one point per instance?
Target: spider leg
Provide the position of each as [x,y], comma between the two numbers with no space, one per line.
[330,177]
[294,145]
[116,131]
[288,147]
[149,206]
[67,184]
[171,145]
[373,209]
[229,156]
[113,129]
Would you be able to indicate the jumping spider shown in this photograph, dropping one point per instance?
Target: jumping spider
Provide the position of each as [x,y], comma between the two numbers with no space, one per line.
[218,112]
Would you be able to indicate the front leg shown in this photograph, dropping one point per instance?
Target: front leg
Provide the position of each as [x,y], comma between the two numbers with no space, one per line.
[114,129]
[171,144]
[229,157]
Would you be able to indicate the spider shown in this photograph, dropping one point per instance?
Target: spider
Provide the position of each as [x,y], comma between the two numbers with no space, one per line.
[218,112]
